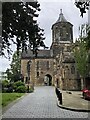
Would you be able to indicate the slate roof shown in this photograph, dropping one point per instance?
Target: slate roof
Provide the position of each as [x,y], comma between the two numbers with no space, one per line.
[41,54]
[61,18]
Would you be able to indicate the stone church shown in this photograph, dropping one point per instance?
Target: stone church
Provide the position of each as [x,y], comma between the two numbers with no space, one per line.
[56,66]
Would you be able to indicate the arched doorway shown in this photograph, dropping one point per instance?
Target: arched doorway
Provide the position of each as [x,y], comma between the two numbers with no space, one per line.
[48,80]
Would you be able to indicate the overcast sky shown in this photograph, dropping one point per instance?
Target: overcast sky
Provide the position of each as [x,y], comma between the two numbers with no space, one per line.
[50,10]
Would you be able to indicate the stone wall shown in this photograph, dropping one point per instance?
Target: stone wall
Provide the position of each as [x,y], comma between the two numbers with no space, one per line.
[62,32]
[37,75]
[71,84]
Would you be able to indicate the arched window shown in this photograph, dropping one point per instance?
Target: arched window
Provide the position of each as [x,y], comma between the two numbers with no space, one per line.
[37,65]
[72,70]
[26,81]
[47,65]
[37,74]
[64,32]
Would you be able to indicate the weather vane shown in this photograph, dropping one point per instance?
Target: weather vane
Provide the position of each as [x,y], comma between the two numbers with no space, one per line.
[61,11]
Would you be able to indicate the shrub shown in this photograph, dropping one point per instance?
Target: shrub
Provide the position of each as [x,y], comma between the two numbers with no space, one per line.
[5,83]
[7,90]
[4,90]
[21,89]
[17,84]
[10,89]
[16,77]
[31,90]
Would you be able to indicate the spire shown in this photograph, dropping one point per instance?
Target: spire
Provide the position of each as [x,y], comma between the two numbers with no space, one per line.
[60,11]
[61,17]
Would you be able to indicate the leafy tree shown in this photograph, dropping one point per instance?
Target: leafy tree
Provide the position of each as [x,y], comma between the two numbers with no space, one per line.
[83,6]
[14,73]
[9,74]
[16,63]
[20,27]
[87,39]
[81,59]
[5,83]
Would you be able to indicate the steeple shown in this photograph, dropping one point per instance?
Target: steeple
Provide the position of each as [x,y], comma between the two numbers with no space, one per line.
[60,11]
[61,17]
[62,30]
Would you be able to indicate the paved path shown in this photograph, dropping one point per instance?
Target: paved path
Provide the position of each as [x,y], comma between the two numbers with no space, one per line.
[75,101]
[41,104]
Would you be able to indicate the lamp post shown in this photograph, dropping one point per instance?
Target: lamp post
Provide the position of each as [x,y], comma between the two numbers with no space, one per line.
[28,73]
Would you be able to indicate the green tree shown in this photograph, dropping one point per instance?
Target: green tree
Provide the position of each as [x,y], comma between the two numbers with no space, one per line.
[5,83]
[83,6]
[81,59]
[16,66]
[18,21]
[14,73]
[16,63]
[9,74]
[87,39]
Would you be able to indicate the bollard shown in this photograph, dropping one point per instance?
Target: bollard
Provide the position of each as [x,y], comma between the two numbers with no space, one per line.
[59,95]
[60,98]
[57,92]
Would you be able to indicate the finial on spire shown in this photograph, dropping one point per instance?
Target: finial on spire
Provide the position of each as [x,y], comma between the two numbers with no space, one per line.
[60,11]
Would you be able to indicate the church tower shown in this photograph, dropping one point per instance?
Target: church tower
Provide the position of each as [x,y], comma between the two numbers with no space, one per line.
[62,33]
[55,66]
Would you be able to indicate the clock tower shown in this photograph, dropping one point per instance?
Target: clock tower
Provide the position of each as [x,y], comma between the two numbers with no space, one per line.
[62,33]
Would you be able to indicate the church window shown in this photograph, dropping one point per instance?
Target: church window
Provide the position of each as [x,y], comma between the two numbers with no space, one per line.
[64,32]
[37,65]
[61,32]
[37,74]
[47,65]
[73,70]
[26,81]
[57,36]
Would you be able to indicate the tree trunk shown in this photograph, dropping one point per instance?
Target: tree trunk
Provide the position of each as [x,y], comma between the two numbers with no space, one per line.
[82,83]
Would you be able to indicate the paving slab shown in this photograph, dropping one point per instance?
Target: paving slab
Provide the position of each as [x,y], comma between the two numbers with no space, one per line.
[41,104]
[74,100]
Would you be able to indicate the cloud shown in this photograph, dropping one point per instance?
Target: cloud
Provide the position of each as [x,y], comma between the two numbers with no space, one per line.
[49,14]
[54,1]
[50,10]
[4,64]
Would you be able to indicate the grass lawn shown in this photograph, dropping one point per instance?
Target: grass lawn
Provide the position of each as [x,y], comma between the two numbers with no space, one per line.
[9,97]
